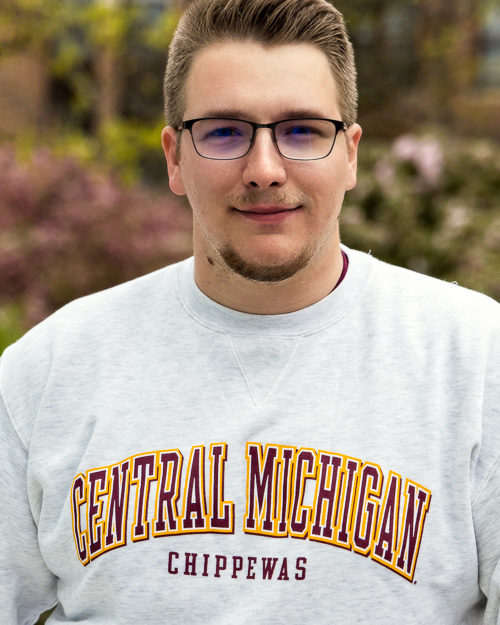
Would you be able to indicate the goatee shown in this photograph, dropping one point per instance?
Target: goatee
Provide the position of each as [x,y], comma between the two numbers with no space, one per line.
[264,273]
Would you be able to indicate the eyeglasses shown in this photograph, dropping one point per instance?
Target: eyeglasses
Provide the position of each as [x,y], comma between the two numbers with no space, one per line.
[297,139]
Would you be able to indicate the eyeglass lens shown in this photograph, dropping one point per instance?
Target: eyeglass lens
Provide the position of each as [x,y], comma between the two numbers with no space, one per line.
[303,139]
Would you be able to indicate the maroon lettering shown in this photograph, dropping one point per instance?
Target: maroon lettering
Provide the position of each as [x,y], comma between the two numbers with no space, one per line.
[326,496]
[347,510]
[168,492]
[387,533]
[349,480]
[370,484]
[237,566]
[116,521]
[195,505]
[206,556]
[251,563]
[81,536]
[261,479]
[283,576]
[301,569]
[286,474]
[304,470]
[220,565]
[268,566]
[171,556]
[190,564]
[417,501]
[222,512]
[95,509]
[143,472]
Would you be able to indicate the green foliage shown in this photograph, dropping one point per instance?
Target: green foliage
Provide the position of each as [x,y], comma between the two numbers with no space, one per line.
[133,147]
[27,24]
[10,326]
[104,24]
[158,32]
[95,52]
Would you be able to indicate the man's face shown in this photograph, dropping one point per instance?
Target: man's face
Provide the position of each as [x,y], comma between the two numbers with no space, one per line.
[262,216]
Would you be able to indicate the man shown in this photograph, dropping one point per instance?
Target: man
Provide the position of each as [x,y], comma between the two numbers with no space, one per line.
[281,430]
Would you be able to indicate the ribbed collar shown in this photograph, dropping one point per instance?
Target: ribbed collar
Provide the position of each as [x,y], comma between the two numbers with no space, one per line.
[314,318]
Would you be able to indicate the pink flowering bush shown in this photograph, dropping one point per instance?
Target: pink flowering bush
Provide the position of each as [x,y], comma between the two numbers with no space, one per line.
[68,230]
[432,205]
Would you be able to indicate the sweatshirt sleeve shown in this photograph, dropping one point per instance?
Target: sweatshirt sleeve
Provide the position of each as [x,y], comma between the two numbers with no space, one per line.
[486,499]
[27,587]
[486,509]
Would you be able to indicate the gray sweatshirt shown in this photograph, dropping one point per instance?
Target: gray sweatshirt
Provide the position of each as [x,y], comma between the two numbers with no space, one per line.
[168,460]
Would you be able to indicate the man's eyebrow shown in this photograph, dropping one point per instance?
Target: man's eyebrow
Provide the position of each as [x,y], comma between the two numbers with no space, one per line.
[225,114]
[303,114]
[287,114]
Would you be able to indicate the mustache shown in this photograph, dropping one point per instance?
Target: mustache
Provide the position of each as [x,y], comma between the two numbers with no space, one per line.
[283,198]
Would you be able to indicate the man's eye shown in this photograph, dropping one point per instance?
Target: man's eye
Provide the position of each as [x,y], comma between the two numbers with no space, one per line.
[299,131]
[225,132]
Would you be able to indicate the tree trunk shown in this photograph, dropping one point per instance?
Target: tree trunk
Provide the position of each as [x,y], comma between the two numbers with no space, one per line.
[108,80]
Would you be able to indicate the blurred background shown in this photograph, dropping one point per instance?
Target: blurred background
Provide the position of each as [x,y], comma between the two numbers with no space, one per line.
[84,198]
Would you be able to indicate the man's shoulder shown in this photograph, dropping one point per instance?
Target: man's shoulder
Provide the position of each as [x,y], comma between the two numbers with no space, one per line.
[72,340]
[406,280]
[432,299]
[96,316]
[126,299]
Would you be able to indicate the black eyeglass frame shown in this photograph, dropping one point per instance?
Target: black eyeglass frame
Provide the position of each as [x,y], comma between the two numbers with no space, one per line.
[188,125]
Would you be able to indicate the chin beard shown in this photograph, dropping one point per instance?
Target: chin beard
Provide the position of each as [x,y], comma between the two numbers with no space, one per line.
[264,273]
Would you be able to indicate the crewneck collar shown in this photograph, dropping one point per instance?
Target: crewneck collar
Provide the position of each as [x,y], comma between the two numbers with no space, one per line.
[308,320]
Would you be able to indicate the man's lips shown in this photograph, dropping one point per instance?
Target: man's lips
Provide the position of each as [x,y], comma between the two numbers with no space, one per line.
[267,213]
[264,209]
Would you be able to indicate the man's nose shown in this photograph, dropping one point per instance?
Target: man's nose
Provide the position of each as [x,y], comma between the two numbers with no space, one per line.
[264,164]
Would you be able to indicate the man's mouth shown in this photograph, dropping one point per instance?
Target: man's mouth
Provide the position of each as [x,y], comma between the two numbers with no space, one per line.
[267,213]
[263,209]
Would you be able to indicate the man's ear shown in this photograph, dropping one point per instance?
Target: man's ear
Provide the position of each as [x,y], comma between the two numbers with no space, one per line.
[169,143]
[353,135]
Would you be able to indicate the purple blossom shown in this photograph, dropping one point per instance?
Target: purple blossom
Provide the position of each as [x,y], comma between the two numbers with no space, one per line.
[67,230]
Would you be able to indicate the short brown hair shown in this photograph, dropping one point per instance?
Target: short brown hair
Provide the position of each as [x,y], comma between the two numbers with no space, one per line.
[270,23]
